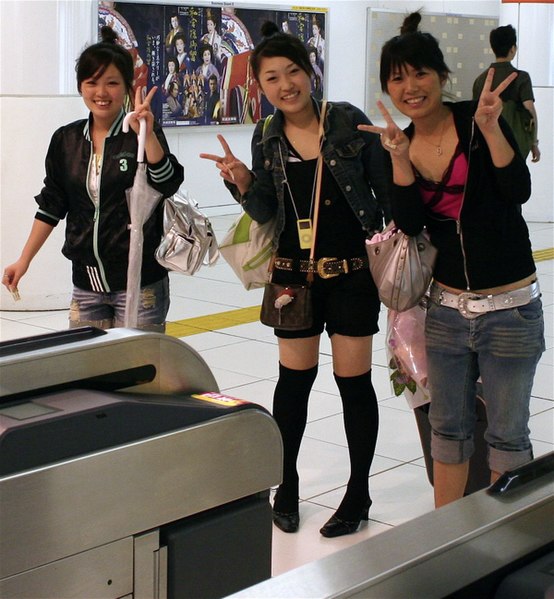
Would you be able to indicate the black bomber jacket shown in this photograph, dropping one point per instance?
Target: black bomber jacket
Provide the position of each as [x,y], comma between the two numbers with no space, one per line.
[97,236]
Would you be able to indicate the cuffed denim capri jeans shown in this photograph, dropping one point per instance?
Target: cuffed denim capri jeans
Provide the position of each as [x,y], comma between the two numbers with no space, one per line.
[503,348]
[107,310]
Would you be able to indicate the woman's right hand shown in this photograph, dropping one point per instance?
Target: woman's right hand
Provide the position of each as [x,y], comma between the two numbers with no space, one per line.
[230,168]
[393,139]
[397,144]
[13,273]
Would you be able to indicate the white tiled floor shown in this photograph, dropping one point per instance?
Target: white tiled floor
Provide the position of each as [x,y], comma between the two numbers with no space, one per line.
[244,362]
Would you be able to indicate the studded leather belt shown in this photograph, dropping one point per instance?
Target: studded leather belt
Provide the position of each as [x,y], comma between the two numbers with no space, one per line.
[472,305]
[326,268]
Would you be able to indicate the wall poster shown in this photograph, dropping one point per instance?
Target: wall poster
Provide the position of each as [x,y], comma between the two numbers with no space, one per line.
[198,56]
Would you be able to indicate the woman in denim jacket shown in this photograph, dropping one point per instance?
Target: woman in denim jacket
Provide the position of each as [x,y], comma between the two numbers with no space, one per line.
[281,185]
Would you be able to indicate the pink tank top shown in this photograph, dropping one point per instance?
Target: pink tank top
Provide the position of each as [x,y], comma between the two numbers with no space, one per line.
[445,197]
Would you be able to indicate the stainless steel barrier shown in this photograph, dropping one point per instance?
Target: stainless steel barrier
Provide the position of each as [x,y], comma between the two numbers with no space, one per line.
[125,473]
[462,550]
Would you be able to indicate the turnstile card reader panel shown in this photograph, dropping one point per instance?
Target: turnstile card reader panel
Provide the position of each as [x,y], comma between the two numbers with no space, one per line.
[116,439]
[72,423]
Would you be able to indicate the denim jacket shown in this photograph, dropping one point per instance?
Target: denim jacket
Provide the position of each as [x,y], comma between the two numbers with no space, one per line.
[355,158]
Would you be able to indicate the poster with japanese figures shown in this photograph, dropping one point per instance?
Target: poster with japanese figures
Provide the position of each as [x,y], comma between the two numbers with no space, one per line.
[198,57]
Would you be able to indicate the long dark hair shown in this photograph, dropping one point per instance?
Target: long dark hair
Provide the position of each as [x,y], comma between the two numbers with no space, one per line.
[95,59]
[420,50]
[276,43]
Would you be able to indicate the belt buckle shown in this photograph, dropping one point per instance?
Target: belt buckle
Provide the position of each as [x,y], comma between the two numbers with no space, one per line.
[321,268]
[463,309]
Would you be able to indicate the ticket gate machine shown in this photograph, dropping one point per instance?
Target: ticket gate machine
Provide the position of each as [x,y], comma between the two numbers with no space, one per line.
[125,473]
[497,543]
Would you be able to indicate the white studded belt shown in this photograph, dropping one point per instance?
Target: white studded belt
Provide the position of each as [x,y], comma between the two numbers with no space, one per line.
[472,305]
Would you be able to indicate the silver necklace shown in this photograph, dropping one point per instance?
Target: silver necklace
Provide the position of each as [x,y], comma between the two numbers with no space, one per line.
[439,145]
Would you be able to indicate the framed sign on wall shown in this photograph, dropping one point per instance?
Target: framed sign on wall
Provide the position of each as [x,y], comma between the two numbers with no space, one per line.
[198,56]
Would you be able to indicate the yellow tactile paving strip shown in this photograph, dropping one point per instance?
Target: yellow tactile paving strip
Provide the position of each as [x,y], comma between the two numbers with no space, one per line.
[233,318]
[541,255]
[212,322]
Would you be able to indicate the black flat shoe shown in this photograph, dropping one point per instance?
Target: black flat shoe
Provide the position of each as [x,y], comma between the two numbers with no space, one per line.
[336,527]
[286,522]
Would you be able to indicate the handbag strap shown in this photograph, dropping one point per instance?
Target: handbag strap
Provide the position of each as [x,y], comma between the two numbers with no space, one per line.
[317,193]
[319,176]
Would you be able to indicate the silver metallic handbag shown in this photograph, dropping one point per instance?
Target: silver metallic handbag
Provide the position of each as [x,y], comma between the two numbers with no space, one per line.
[188,241]
[401,266]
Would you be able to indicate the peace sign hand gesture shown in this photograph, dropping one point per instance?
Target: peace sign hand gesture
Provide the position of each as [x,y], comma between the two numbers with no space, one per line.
[230,168]
[152,147]
[397,143]
[489,106]
[393,139]
[142,110]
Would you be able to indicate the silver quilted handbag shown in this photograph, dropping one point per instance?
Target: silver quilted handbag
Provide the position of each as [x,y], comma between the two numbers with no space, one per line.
[188,240]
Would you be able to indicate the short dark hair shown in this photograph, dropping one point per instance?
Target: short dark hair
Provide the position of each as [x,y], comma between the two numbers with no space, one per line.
[179,36]
[173,60]
[411,47]
[208,48]
[502,39]
[95,59]
[276,43]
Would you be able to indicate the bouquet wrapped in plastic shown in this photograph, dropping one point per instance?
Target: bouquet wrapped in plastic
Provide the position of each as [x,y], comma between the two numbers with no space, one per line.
[405,344]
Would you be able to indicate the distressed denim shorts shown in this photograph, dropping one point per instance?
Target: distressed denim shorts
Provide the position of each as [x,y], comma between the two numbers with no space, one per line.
[501,347]
[107,310]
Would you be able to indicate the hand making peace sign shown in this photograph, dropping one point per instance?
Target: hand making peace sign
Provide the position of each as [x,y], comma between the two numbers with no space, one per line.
[142,110]
[393,139]
[231,169]
[489,106]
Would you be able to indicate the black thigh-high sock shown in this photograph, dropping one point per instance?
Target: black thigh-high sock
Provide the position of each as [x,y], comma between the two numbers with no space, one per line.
[290,410]
[361,423]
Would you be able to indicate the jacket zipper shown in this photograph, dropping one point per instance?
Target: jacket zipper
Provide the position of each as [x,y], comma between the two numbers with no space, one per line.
[96,217]
[458,220]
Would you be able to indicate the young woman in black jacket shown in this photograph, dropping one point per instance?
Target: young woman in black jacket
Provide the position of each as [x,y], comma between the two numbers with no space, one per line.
[89,166]
[457,170]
